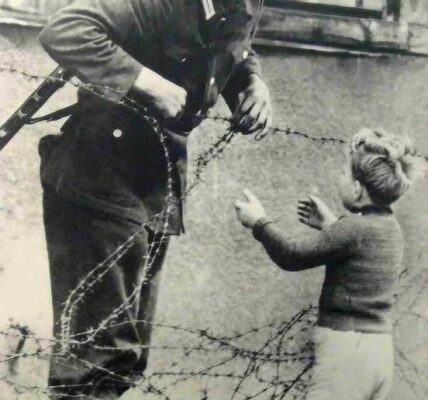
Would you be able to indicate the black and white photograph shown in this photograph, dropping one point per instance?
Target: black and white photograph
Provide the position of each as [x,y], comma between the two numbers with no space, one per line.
[213,199]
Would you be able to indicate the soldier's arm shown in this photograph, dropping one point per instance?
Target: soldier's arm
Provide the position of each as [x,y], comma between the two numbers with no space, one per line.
[241,79]
[249,65]
[89,39]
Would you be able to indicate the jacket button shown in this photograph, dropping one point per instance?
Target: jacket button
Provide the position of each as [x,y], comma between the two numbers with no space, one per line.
[117,133]
[212,81]
[245,54]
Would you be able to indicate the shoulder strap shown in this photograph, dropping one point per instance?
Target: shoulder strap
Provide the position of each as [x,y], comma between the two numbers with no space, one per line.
[56,115]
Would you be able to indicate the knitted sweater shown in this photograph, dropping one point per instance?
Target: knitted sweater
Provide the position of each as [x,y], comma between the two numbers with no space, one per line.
[362,253]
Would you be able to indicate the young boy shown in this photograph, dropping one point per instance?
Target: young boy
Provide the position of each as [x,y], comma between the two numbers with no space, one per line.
[362,253]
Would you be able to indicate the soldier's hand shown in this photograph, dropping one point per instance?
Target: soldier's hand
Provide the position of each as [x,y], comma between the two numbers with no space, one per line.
[164,96]
[254,112]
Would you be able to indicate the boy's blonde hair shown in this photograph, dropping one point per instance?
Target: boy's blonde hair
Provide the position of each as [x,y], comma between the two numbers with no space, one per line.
[383,163]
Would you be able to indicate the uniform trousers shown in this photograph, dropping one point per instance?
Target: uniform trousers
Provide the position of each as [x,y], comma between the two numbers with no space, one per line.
[103,311]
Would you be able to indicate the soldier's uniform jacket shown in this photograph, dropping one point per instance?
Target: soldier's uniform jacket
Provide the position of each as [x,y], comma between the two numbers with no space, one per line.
[107,156]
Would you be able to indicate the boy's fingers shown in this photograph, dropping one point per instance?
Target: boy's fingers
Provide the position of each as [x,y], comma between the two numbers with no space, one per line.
[316,200]
[249,195]
[303,220]
[307,222]
[302,214]
[304,208]
[239,204]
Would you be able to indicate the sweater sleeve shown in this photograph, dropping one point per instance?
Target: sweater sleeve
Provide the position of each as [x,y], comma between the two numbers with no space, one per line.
[88,37]
[338,241]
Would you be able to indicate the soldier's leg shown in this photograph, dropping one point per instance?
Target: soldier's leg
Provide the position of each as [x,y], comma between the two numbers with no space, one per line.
[97,306]
[148,297]
[144,311]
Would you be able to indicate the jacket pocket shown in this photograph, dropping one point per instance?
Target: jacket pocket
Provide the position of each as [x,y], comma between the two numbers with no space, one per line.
[47,145]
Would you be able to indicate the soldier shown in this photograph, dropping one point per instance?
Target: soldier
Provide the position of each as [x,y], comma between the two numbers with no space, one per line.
[107,173]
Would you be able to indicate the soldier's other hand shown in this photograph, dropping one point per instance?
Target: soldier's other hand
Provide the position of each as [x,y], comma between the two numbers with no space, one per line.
[164,96]
[254,113]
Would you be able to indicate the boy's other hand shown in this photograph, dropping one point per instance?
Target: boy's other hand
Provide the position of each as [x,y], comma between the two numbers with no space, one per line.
[250,210]
[313,212]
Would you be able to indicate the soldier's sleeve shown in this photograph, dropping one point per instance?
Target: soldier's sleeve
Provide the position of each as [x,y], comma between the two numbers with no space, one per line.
[251,65]
[239,79]
[89,38]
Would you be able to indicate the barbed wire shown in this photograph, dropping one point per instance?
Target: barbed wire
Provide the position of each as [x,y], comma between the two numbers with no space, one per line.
[95,89]
[229,357]
[269,369]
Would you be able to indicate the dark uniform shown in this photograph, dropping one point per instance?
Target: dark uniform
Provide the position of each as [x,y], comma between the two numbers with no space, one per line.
[107,173]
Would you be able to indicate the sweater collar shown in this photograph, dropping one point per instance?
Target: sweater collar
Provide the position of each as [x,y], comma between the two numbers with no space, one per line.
[374,209]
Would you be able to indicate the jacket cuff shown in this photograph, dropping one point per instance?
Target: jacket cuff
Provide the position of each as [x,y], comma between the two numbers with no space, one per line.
[117,85]
[259,226]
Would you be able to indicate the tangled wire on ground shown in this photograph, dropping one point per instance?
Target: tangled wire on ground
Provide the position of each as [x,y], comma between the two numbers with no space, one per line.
[277,363]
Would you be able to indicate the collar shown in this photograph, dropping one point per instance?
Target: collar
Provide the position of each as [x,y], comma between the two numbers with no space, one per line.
[209,9]
[374,209]
[217,8]
[228,22]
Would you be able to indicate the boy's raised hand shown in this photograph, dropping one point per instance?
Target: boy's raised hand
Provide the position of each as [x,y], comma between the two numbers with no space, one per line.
[250,210]
[313,212]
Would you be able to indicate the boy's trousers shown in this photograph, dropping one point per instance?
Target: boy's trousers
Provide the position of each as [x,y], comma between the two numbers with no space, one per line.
[102,312]
[351,365]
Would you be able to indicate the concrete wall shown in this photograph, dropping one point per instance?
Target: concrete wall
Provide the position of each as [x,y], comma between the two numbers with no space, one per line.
[411,10]
[415,11]
[216,276]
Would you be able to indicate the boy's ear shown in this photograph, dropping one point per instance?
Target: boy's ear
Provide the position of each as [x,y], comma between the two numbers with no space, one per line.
[358,190]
